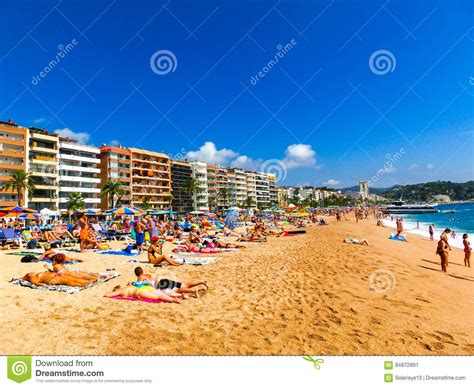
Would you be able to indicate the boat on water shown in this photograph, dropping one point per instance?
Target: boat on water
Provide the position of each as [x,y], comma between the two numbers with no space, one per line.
[400,207]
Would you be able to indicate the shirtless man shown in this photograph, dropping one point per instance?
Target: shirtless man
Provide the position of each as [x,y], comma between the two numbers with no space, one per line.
[155,253]
[146,292]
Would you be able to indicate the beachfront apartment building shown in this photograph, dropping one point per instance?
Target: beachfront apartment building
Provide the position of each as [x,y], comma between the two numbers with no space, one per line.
[272,190]
[240,187]
[181,172]
[201,197]
[263,190]
[150,179]
[43,161]
[78,173]
[251,187]
[231,188]
[221,175]
[212,188]
[13,151]
[115,165]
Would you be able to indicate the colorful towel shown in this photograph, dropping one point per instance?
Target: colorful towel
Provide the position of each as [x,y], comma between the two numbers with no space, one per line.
[196,260]
[62,288]
[120,253]
[400,237]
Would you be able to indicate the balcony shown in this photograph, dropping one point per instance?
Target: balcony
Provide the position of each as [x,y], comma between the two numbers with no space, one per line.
[79,158]
[12,166]
[79,168]
[78,178]
[44,149]
[66,189]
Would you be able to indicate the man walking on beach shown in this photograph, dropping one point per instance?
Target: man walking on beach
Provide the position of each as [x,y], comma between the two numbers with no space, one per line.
[431,231]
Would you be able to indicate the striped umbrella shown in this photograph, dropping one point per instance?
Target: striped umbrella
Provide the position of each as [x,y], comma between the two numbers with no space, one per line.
[29,216]
[121,211]
[17,210]
[88,212]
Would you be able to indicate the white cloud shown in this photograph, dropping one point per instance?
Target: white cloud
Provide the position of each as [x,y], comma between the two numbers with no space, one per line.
[429,166]
[389,169]
[332,182]
[210,154]
[246,163]
[81,137]
[413,166]
[299,155]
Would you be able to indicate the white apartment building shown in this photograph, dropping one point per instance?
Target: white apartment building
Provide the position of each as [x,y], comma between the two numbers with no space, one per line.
[263,190]
[240,186]
[251,187]
[43,165]
[201,198]
[272,188]
[79,173]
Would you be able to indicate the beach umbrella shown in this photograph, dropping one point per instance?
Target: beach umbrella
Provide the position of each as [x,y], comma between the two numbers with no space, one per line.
[88,212]
[121,211]
[29,216]
[17,210]
[48,212]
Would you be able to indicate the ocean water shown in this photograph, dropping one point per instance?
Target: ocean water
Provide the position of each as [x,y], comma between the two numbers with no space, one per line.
[462,221]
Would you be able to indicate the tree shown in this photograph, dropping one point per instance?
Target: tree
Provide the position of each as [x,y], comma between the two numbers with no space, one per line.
[249,202]
[170,199]
[20,181]
[223,193]
[145,204]
[191,187]
[112,188]
[75,201]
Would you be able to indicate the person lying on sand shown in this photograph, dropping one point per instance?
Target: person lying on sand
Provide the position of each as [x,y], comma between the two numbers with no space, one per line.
[167,284]
[188,247]
[352,240]
[221,244]
[146,292]
[155,253]
[50,253]
[57,266]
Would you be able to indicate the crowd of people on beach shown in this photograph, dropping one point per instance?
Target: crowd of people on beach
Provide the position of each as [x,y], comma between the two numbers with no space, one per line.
[189,234]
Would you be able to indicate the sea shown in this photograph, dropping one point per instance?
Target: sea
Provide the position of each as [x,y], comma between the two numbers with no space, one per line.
[461,221]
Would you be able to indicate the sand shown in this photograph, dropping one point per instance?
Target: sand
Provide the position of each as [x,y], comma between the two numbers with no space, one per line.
[309,294]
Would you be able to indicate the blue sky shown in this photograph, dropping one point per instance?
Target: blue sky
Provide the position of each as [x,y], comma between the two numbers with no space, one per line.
[325,113]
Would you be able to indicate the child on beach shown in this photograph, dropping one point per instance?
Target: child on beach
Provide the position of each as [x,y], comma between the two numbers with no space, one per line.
[467,250]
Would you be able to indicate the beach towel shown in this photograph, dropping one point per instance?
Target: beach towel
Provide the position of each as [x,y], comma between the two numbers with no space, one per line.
[120,253]
[196,260]
[136,299]
[62,288]
[401,237]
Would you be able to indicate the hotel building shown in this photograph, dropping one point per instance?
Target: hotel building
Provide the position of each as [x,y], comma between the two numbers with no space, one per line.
[240,186]
[251,187]
[13,151]
[201,198]
[212,187]
[263,191]
[79,173]
[43,167]
[221,175]
[180,173]
[151,178]
[272,189]
[115,165]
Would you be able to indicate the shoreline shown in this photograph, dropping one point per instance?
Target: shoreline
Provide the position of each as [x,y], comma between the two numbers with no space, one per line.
[308,294]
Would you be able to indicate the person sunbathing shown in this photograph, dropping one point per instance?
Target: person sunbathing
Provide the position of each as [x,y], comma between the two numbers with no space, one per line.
[188,247]
[50,253]
[57,278]
[352,240]
[58,267]
[146,292]
[172,285]
[221,244]
[155,253]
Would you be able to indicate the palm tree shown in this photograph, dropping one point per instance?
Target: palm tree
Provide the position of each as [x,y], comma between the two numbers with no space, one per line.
[249,202]
[75,201]
[191,187]
[223,193]
[145,204]
[170,198]
[112,188]
[20,181]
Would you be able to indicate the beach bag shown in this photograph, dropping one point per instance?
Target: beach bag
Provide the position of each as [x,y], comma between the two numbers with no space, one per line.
[32,244]
[29,259]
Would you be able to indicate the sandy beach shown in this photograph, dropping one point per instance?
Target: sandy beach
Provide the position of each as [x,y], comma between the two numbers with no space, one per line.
[309,294]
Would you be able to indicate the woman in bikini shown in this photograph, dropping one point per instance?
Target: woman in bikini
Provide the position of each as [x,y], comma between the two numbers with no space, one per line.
[49,254]
[188,247]
[146,292]
[443,251]
[467,250]
[155,253]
